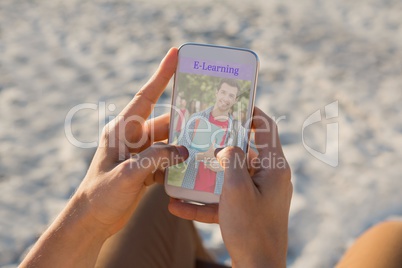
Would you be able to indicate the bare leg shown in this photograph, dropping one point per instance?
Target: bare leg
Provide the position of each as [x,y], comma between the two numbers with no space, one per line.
[153,238]
[380,246]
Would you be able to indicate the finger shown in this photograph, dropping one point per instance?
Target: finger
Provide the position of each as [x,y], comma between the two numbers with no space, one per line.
[157,128]
[143,101]
[133,117]
[251,157]
[252,154]
[157,177]
[154,130]
[266,133]
[237,181]
[157,157]
[271,162]
[205,213]
[267,139]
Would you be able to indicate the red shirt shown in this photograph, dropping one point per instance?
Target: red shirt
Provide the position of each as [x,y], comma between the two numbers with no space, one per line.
[206,178]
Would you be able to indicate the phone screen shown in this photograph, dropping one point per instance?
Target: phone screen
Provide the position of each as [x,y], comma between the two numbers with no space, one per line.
[211,108]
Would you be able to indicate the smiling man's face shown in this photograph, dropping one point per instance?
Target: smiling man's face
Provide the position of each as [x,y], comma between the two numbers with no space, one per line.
[226,97]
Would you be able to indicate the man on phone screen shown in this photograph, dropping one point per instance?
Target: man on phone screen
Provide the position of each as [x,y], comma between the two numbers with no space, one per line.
[207,130]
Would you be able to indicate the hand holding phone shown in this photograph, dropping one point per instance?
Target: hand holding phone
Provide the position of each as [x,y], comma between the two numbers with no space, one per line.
[212,104]
[253,210]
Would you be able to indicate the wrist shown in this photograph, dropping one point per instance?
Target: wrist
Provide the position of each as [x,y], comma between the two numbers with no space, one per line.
[262,256]
[81,218]
[257,262]
[71,241]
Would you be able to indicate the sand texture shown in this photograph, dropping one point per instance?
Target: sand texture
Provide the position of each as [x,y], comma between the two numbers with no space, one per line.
[56,54]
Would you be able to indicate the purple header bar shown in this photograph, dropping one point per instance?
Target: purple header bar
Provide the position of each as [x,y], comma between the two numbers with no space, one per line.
[217,68]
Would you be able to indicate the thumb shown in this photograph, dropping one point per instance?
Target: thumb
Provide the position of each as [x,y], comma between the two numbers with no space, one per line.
[157,157]
[237,180]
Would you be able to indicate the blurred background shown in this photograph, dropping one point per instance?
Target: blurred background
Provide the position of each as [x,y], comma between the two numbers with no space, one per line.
[55,55]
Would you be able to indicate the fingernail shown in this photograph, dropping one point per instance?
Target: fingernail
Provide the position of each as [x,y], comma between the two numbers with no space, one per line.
[182,151]
[217,150]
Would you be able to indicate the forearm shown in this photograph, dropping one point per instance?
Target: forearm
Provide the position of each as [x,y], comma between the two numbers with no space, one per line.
[71,241]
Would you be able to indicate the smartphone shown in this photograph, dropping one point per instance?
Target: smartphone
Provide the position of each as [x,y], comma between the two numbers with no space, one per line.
[212,105]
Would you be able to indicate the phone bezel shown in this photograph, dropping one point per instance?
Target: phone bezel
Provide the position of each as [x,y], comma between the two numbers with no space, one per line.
[215,52]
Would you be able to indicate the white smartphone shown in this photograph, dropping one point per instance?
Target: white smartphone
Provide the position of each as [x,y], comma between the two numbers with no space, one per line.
[212,106]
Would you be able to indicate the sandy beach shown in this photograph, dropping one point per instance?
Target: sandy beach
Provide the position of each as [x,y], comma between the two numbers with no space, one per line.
[343,55]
